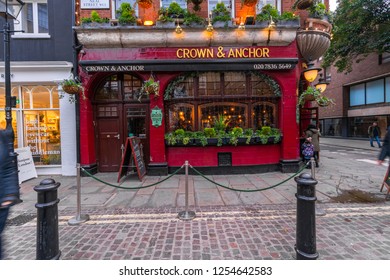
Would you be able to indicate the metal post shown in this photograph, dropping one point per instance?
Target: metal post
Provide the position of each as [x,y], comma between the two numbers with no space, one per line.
[306,219]
[47,220]
[313,167]
[79,218]
[186,215]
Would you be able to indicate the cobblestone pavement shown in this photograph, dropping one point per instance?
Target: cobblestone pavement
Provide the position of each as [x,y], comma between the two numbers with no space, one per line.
[143,224]
[346,232]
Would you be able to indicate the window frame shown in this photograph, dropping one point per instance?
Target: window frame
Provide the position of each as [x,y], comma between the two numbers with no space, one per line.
[18,23]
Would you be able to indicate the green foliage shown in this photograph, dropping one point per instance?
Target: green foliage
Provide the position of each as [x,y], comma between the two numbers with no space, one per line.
[266,12]
[318,97]
[221,13]
[95,17]
[221,122]
[149,86]
[175,11]
[288,16]
[318,10]
[265,130]
[360,28]
[209,132]
[126,14]
[163,15]
[192,18]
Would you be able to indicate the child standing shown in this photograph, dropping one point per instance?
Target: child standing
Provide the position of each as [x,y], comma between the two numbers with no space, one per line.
[307,151]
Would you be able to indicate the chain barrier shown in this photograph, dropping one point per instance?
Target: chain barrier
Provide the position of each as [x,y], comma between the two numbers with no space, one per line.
[132,188]
[257,190]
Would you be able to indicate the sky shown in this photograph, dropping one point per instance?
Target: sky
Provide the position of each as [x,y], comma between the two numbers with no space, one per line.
[332,5]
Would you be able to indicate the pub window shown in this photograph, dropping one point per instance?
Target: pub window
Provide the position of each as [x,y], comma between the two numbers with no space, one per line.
[234,83]
[260,87]
[263,114]
[235,113]
[184,89]
[210,84]
[181,115]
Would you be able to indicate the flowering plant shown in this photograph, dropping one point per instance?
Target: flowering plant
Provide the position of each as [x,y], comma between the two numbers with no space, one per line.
[150,86]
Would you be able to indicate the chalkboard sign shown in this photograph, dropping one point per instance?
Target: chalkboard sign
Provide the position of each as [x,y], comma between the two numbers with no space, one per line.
[132,158]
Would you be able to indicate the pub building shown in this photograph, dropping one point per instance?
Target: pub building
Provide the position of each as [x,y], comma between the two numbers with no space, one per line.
[245,73]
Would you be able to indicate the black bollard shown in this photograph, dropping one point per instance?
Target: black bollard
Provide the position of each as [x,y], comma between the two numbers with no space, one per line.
[47,220]
[306,218]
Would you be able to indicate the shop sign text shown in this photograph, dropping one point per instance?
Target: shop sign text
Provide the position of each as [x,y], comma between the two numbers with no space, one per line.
[221,52]
[114,68]
[95,4]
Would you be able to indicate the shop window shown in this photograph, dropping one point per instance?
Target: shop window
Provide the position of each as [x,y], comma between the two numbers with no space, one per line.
[180,115]
[235,114]
[40,97]
[375,90]
[33,19]
[42,135]
[263,114]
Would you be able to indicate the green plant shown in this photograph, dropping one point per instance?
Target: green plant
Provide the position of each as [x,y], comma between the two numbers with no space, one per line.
[318,10]
[265,130]
[95,17]
[235,134]
[201,137]
[196,4]
[266,12]
[221,122]
[209,132]
[150,86]
[171,138]
[288,16]
[310,92]
[175,11]
[72,87]
[324,101]
[190,18]
[126,14]
[248,133]
[221,13]
[163,15]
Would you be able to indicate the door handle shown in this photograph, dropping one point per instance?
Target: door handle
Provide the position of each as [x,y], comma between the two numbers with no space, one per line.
[117,136]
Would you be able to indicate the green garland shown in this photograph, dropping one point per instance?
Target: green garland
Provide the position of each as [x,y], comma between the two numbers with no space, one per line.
[269,81]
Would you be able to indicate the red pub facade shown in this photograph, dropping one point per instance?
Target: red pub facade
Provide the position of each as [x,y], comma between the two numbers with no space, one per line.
[249,76]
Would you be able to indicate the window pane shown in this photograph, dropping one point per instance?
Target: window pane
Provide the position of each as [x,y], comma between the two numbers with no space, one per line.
[259,87]
[109,90]
[356,96]
[26,93]
[43,21]
[181,116]
[42,135]
[132,86]
[184,89]
[29,26]
[263,115]
[235,114]
[375,91]
[235,83]
[41,97]
[210,84]
[166,3]
[387,89]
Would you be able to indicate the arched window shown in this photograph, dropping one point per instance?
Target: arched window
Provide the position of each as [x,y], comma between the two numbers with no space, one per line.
[119,87]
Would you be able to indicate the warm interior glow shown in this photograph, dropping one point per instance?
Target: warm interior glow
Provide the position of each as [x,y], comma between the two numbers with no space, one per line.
[148,22]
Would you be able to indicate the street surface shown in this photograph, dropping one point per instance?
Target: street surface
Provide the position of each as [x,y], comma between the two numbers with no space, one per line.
[352,221]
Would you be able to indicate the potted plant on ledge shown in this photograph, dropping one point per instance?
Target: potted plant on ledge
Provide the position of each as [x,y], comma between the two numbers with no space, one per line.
[221,16]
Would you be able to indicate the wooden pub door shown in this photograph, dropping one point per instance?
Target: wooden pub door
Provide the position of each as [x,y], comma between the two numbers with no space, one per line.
[114,123]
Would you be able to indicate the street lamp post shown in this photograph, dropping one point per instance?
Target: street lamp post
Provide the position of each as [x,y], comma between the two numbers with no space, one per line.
[9,9]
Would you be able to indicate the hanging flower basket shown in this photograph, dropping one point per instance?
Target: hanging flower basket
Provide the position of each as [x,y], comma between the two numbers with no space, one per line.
[309,97]
[71,89]
[150,86]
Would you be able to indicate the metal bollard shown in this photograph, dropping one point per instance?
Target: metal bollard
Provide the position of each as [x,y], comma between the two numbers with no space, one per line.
[306,218]
[186,215]
[47,220]
[79,218]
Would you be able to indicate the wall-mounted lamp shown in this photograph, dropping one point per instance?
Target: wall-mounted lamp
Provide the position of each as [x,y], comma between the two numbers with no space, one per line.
[241,26]
[311,72]
[210,26]
[322,83]
[178,29]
